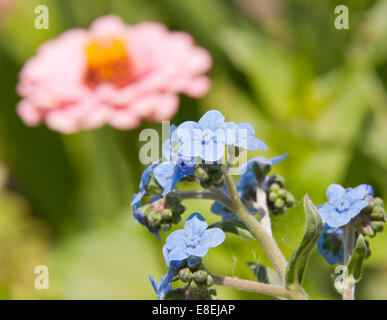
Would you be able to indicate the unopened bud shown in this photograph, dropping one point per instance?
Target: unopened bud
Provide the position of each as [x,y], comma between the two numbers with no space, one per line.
[165,227]
[201,174]
[154,218]
[210,280]
[166,214]
[279,203]
[185,275]
[200,276]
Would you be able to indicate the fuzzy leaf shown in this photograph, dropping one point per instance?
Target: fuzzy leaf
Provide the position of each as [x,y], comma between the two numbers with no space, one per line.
[358,256]
[234,226]
[299,260]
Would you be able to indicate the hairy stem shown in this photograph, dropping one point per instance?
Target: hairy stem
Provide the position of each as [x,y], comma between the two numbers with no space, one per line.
[267,242]
[349,242]
[256,287]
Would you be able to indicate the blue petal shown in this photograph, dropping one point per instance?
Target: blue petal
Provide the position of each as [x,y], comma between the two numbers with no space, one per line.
[198,251]
[340,220]
[356,208]
[231,133]
[175,238]
[195,224]
[335,191]
[212,238]
[357,193]
[213,151]
[191,148]
[278,159]
[327,211]
[211,120]
[255,144]
[163,172]
[178,253]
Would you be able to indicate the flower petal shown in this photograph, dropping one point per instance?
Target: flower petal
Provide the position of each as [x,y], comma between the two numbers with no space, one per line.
[212,237]
[175,238]
[212,119]
[178,253]
[195,224]
[335,191]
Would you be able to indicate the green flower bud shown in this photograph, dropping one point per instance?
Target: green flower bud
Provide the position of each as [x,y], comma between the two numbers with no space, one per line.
[273,196]
[200,276]
[279,203]
[154,219]
[185,275]
[368,231]
[176,219]
[378,202]
[210,280]
[172,200]
[165,227]
[201,174]
[166,214]
[282,193]
[274,187]
[178,209]
[377,226]
[377,213]
[193,285]
[290,200]
[279,180]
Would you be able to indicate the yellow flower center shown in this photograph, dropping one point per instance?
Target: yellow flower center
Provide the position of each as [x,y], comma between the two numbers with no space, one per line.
[107,62]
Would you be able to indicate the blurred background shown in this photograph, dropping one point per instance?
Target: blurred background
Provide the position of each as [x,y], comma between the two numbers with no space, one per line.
[310,90]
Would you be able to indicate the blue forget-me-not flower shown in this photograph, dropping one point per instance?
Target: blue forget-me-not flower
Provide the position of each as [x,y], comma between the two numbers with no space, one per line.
[343,204]
[194,240]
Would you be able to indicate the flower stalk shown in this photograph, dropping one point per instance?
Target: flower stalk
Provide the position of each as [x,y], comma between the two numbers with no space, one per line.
[267,242]
[349,242]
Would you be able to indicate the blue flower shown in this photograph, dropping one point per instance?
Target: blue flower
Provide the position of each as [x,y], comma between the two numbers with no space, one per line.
[137,197]
[245,138]
[170,148]
[262,162]
[165,284]
[168,175]
[207,138]
[194,240]
[330,245]
[343,204]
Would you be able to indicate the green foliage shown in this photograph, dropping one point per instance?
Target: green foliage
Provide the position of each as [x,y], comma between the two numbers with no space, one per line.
[299,260]
[358,256]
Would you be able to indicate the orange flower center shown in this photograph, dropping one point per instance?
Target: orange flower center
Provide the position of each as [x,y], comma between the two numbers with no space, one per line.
[107,62]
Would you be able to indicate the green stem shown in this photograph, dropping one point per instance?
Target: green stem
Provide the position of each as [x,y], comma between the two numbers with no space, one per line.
[267,242]
[256,287]
[349,242]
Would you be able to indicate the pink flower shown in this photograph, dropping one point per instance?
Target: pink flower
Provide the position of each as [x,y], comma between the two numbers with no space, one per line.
[112,74]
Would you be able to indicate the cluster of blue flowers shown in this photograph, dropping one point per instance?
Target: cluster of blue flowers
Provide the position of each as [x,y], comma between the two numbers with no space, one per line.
[355,206]
[194,152]
[190,144]
[186,245]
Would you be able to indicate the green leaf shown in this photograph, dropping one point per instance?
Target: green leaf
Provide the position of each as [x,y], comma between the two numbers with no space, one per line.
[358,256]
[264,274]
[299,260]
[234,226]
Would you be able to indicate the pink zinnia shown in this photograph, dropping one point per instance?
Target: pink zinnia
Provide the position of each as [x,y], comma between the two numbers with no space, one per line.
[111,74]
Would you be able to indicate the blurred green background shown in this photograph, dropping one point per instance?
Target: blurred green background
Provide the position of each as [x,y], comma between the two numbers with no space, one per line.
[310,90]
